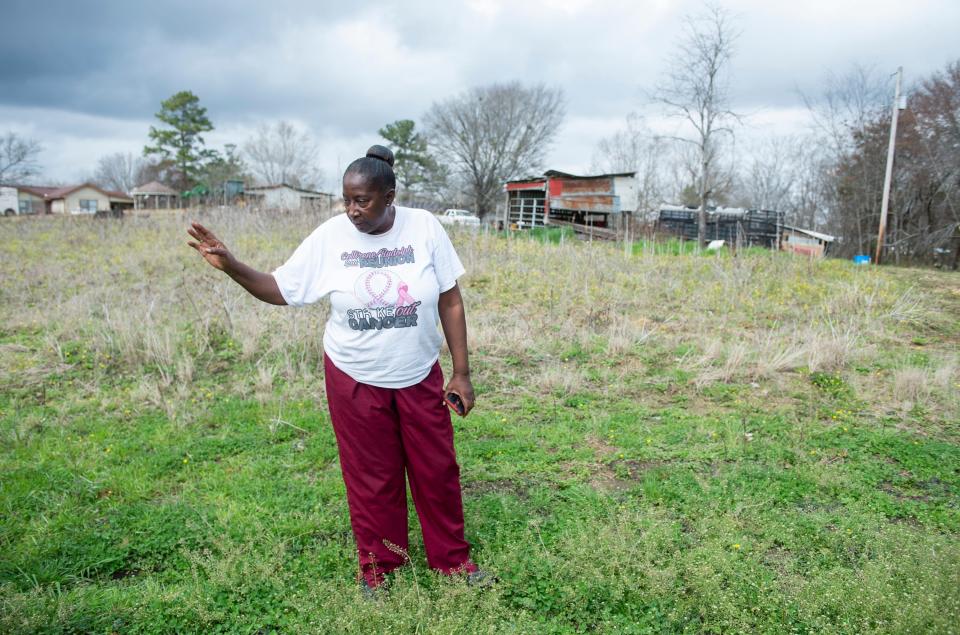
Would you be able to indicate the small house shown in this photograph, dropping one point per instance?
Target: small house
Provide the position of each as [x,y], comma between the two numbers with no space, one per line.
[85,198]
[18,200]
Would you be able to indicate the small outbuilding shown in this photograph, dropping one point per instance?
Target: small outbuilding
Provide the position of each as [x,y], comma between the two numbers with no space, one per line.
[155,195]
[805,241]
[601,202]
[288,197]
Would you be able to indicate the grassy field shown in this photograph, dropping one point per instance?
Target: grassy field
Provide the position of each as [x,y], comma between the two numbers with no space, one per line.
[663,443]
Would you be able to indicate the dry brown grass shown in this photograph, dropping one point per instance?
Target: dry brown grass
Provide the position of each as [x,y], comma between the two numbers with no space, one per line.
[135,294]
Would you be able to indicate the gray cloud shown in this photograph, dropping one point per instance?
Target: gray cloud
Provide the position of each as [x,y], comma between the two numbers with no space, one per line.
[345,69]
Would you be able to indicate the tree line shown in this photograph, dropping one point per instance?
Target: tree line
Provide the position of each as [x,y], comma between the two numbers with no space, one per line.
[829,178]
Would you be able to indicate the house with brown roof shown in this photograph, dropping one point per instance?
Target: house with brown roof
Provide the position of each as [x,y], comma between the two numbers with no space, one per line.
[85,198]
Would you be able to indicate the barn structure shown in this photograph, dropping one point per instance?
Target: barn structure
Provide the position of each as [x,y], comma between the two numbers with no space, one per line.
[600,203]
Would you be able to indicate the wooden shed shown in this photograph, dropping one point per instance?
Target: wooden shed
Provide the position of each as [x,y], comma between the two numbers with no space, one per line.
[601,201]
[805,241]
[288,197]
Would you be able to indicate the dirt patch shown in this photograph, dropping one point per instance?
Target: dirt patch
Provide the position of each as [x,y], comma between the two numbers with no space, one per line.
[619,474]
[777,557]
[891,489]
[600,447]
[606,481]
[635,469]
[922,491]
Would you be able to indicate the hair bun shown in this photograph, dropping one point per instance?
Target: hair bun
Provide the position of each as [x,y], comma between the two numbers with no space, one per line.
[382,153]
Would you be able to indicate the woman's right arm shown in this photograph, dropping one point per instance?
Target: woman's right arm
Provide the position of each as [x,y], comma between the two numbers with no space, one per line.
[262,286]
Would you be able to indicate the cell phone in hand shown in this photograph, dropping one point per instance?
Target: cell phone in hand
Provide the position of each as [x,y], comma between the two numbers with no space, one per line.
[455,402]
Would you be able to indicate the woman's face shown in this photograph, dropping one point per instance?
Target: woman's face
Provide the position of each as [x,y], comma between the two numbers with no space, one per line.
[366,205]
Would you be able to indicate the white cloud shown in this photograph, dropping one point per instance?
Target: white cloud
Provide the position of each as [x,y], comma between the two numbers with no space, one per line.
[73,142]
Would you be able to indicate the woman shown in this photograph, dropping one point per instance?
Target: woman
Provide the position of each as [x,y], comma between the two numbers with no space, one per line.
[391,274]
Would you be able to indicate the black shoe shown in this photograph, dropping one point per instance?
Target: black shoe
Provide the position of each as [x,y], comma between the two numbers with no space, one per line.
[481,579]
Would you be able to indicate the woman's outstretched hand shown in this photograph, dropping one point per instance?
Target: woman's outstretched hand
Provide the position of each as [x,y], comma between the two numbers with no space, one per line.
[210,247]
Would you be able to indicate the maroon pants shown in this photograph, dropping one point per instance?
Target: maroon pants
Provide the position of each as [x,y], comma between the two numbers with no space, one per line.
[382,433]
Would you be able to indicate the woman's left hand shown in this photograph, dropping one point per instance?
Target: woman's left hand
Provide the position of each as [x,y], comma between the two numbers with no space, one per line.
[462,386]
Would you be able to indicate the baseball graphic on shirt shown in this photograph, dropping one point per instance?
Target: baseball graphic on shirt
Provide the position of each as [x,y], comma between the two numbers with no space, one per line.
[382,288]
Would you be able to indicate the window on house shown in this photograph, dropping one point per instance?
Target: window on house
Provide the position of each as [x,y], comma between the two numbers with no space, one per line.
[88,205]
[26,206]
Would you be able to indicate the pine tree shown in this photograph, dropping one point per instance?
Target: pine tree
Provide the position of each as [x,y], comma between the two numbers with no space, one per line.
[181,143]
[413,164]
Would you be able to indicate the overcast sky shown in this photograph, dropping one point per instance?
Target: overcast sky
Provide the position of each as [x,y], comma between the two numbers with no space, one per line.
[85,78]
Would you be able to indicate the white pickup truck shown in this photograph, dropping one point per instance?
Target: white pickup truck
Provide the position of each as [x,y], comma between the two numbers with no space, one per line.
[459,217]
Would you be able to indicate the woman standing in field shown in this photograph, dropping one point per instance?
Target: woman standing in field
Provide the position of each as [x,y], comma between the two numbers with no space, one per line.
[391,274]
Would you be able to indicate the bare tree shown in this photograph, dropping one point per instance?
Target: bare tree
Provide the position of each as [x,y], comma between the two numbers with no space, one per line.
[809,202]
[786,173]
[622,151]
[494,133]
[849,104]
[18,157]
[281,154]
[769,179]
[637,149]
[119,171]
[695,89]
[847,114]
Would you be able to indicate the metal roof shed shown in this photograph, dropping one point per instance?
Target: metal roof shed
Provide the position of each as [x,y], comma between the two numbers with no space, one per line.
[558,198]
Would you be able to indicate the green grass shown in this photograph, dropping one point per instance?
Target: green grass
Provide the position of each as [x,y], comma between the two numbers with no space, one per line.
[668,247]
[552,235]
[661,444]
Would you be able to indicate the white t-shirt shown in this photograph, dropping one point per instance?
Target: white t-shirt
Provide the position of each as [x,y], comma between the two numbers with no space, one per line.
[384,326]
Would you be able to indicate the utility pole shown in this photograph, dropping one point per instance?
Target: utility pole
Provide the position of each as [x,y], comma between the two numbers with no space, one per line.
[889,175]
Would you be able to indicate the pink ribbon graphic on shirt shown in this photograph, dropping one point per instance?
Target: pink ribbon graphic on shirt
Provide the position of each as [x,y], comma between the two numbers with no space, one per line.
[376,297]
[404,298]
